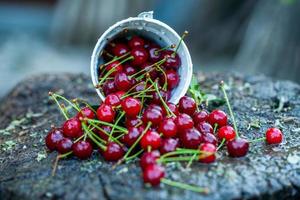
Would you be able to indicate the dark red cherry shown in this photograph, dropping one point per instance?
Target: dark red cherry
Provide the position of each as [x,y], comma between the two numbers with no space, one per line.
[120,49]
[164,94]
[200,116]
[152,115]
[120,94]
[82,149]
[187,105]
[86,112]
[172,79]
[112,100]
[153,174]
[103,134]
[158,107]
[65,145]
[173,108]
[149,68]
[209,138]
[172,61]
[190,138]
[150,139]
[113,152]
[168,128]
[217,117]
[129,70]
[122,81]
[169,145]
[109,87]
[204,127]
[115,66]
[106,113]
[237,147]
[207,154]
[149,158]
[226,132]
[131,106]
[183,122]
[132,122]
[154,54]
[136,41]
[140,56]
[273,136]
[131,136]
[53,137]
[72,128]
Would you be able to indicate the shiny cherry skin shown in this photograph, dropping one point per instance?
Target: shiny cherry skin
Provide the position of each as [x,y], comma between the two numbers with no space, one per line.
[113,152]
[209,138]
[140,56]
[136,41]
[82,149]
[120,49]
[106,113]
[226,132]
[168,128]
[149,158]
[109,87]
[153,174]
[169,145]
[164,94]
[200,116]
[131,136]
[172,61]
[183,122]
[187,105]
[86,112]
[158,107]
[131,106]
[120,94]
[115,66]
[190,138]
[112,100]
[129,70]
[72,128]
[152,115]
[173,108]
[65,145]
[237,147]
[172,79]
[103,134]
[274,136]
[53,137]
[132,122]
[204,127]
[217,117]
[154,54]
[149,68]
[208,155]
[150,139]
[122,81]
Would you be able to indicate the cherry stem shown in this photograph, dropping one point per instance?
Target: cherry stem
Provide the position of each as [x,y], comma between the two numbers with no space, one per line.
[185,33]
[114,59]
[107,124]
[185,186]
[177,152]
[146,68]
[165,86]
[59,106]
[172,46]
[134,156]
[66,100]
[215,127]
[58,157]
[229,108]
[221,144]
[258,140]
[116,123]
[191,160]
[85,103]
[92,137]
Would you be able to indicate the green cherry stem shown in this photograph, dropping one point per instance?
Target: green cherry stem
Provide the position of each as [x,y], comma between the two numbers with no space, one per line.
[185,33]
[59,106]
[185,186]
[115,59]
[191,160]
[116,123]
[106,124]
[172,46]
[134,156]
[66,100]
[221,144]
[90,135]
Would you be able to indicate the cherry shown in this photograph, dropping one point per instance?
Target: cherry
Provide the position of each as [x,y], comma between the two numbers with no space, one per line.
[120,94]
[273,136]
[173,108]
[86,112]
[158,107]
[141,86]
[101,134]
[65,145]
[150,69]
[150,139]
[106,113]
[131,136]
[136,41]
[169,145]
[204,127]
[131,122]
[149,158]
[113,152]
[172,79]
[140,56]
[164,94]
[112,100]
[153,174]
[190,138]
[131,106]
[217,117]
[129,70]
[72,128]
[172,61]
[53,137]
[82,149]
[209,138]
[183,122]
[208,155]
[187,105]
[168,128]
[152,115]
[120,49]
[109,87]
[226,132]
[154,54]
[117,67]
[237,147]
[200,116]
[122,81]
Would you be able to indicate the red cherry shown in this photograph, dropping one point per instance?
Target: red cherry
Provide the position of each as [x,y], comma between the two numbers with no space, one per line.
[227,133]
[204,127]
[72,128]
[149,158]
[109,87]
[64,146]
[104,135]
[169,145]
[209,138]
[187,105]
[217,117]
[140,56]
[273,136]
[158,107]
[113,152]
[172,79]
[172,61]
[183,122]
[154,54]
[153,174]
[53,137]
[164,94]
[237,147]
[150,69]
[82,149]
[173,108]
[190,138]
[106,113]
[168,128]
[131,106]
[86,112]
[200,116]
[112,100]
[116,66]
[120,94]
[136,41]
[132,122]
[120,49]
[129,70]
[131,136]
[208,155]
[122,81]
[150,139]
[152,115]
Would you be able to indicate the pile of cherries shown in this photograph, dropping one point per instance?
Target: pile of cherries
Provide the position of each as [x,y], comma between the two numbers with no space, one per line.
[139,122]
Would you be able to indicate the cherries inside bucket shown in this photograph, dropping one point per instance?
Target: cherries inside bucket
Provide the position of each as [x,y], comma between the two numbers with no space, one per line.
[136,121]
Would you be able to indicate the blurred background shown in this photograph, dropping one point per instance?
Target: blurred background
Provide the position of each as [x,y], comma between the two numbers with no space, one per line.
[252,37]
